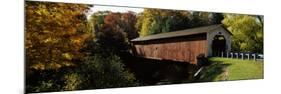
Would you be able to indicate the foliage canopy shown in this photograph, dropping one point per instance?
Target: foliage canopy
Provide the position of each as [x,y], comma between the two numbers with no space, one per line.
[247,32]
[55,32]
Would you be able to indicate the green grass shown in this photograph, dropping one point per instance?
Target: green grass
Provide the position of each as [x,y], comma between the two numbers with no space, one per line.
[223,69]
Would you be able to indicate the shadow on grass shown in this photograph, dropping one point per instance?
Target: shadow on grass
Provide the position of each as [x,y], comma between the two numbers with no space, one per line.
[212,72]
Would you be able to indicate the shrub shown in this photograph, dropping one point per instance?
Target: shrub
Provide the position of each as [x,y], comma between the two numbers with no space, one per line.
[72,81]
[43,81]
[106,72]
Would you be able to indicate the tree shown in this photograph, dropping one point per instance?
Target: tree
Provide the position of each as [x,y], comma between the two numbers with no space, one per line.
[128,24]
[205,18]
[216,18]
[247,32]
[114,30]
[104,68]
[154,21]
[180,20]
[55,32]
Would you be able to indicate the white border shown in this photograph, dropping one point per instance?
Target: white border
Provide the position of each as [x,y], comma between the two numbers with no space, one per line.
[12,55]
[232,6]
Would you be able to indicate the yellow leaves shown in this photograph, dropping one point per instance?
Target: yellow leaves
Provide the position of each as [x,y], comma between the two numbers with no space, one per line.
[38,66]
[54,66]
[247,32]
[28,44]
[67,64]
[50,65]
[67,56]
[38,12]
[76,41]
[259,34]
[49,31]
[47,40]
[243,46]
[79,40]
[42,66]
[71,30]
[46,31]
[72,81]
[50,40]
[42,11]
[37,21]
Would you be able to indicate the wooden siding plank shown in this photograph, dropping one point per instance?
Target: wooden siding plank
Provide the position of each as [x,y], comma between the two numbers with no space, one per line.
[177,49]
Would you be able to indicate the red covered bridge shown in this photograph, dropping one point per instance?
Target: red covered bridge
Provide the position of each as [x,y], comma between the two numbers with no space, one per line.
[183,45]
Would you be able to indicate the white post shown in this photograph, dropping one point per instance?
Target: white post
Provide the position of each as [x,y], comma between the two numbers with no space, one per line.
[248,56]
[236,55]
[222,54]
[242,55]
[254,55]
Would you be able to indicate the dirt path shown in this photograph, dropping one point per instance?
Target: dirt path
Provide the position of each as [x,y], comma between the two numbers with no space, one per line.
[225,74]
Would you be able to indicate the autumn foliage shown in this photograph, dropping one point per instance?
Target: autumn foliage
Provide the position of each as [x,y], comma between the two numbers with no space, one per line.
[114,30]
[61,51]
[55,32]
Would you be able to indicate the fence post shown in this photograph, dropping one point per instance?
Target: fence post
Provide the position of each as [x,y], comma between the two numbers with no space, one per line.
[231,55]
[236,55]
[242,56]
[254,55]
[222,54]
[248,56]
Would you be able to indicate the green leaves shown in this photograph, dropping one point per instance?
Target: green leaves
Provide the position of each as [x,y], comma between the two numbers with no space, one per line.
[247,32]
[73,81]
[154,21]
[106,72]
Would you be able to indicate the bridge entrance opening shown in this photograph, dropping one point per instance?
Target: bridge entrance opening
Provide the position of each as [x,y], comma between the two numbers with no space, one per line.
[218,45]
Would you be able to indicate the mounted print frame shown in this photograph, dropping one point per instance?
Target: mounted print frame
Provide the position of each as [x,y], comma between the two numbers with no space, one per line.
[72,46]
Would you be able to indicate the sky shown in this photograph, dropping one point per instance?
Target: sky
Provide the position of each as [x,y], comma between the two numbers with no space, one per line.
[96,8]
[114,9]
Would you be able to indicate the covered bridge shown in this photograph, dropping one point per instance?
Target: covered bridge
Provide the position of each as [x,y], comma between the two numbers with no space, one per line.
[184,45]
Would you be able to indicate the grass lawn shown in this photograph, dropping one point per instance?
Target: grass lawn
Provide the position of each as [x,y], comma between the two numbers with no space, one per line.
[223,69]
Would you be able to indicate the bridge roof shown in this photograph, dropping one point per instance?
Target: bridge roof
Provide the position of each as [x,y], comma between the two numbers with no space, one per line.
[185,32]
